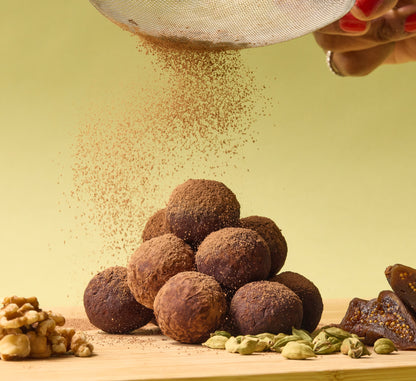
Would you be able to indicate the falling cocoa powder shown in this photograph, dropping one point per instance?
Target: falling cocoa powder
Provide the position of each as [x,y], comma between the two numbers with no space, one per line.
[195,125]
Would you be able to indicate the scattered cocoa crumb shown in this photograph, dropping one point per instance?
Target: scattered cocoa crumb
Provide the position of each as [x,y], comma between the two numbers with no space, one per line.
[79,324]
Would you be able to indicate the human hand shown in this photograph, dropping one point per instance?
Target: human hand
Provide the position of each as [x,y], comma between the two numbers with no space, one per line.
[375,32]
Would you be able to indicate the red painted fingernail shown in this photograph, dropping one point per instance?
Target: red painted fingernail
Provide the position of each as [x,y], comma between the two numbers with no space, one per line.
[410,23]
[368,6]
[351,24]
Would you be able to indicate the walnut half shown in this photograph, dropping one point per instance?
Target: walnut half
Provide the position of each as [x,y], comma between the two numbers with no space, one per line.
[14,347]
[80,346]
[14,315]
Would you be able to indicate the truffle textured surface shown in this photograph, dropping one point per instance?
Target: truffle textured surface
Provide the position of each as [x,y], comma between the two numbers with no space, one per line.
[109,304]
[154,262]
[155,226]
[234,257]
[265,306]
[273,236]
[189,307]
[309,295]
[199,207]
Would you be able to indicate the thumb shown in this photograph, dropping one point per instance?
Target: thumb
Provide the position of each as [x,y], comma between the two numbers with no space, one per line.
[372,9]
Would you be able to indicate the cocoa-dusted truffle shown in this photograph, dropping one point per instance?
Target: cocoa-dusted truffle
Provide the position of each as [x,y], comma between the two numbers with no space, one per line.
[154,262]
[273,237]
[265,306]
[308,293]
[109,304]
[155,225]
[189,307]
[234,257]
[199,207]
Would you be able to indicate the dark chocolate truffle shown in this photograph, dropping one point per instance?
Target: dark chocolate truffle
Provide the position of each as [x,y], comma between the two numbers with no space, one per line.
[109,304]
[199,207]
[273,237]
[265,306]
[308,293]
[155,226]
[154,262]
[234,257]
[189,307]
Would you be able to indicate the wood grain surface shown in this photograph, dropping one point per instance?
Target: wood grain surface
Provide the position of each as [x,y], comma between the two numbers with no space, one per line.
[147,355]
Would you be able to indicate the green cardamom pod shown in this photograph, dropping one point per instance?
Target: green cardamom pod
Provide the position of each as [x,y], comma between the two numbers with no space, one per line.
[263,336]
[354,348]
[337,332]
[384,346]
[304,335]
[263,345]
[306,342]
[345,346]
[221,333]
[231,345]
[240,338]
[279,344]
[247,346]
[216,342]
[321,336]
[326,347]
[241,344]
[297,351]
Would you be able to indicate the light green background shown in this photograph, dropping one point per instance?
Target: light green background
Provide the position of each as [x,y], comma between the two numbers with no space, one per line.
[333,165]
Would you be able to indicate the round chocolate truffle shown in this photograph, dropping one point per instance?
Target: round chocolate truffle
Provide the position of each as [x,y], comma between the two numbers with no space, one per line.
[234,257]
[273,237]
[155,225]
[308,294]
[265,306]
[199,207]
[154,262]
[189,307]
[109,304]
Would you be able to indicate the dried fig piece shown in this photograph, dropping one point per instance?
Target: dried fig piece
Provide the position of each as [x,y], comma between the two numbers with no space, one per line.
[402,280]
[385,316]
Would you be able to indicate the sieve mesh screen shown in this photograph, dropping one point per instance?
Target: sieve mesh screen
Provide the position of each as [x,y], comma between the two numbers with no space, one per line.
[233,23]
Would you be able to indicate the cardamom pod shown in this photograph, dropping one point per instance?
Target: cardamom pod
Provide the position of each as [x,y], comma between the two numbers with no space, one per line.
[304,335]
[384,346]
[263,336]
[323,336]
[247,346]
[241,344]
[263,345]
[297,351]
[326,347]
[337,332]
[280,343]
[216,342]
[221,333]
[239,338]
[231,345]
[306,342]
[354,348]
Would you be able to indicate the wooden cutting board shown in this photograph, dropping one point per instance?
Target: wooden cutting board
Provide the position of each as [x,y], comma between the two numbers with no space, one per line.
[147,355]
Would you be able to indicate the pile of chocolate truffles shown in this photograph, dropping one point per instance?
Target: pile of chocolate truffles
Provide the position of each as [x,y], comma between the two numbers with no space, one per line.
[202,268]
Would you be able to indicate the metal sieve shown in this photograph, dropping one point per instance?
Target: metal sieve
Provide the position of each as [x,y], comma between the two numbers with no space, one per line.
[223,24]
